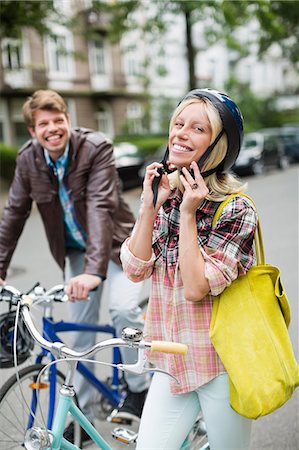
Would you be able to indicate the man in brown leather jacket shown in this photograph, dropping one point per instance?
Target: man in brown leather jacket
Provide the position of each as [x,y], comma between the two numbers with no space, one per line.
[70,174]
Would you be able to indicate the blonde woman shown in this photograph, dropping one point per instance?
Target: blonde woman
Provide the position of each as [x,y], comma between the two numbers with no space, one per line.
[190,262]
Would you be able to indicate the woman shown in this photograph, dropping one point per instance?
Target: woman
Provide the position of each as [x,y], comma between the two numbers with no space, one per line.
[190,262]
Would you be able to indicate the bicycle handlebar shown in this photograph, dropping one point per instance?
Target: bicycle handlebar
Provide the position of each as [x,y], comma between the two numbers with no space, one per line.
[38,294]
[11,294]
[169,347]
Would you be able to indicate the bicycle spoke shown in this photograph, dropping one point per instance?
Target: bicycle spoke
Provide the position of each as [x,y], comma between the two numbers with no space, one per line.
[6,417]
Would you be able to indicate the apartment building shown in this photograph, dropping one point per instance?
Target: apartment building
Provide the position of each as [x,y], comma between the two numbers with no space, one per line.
[129,87]
[167,72]
[103,90]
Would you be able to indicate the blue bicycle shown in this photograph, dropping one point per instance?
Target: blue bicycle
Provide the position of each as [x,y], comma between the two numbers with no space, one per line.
[29,399]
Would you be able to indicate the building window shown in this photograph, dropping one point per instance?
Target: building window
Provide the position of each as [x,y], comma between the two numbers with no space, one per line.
[134,118]
[58,57]
[59,54]
[97,57]
[132,65]
[12,54]
[105,121]
[20,130]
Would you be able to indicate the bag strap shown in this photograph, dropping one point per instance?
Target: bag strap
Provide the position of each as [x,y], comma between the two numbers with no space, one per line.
[258,237]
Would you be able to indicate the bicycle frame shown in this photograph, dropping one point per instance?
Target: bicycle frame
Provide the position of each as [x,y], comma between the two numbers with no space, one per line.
[53,347]
[50,330]
[65,406]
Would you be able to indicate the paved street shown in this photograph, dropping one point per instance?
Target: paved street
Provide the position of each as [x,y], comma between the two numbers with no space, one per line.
[276,196]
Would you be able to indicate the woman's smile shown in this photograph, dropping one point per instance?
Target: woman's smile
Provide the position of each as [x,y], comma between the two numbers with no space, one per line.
[190,136]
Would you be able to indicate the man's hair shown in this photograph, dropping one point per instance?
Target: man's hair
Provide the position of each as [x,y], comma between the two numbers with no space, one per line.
[46,100]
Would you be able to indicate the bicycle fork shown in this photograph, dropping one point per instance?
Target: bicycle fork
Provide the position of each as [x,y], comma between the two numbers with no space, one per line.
[66,405]
[41,439]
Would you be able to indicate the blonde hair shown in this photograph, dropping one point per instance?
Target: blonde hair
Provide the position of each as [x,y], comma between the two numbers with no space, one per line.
[46,100]
[219,185]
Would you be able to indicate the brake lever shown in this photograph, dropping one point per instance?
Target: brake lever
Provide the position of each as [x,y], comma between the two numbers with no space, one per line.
[134,369]
[58,293]
[139,367]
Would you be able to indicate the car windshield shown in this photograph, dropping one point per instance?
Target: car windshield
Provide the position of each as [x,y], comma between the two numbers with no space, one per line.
[249,143]
[290,137]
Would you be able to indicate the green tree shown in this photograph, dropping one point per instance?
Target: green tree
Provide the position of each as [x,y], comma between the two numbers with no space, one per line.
[16,14]
[257,112]
[279,23]
[278,20]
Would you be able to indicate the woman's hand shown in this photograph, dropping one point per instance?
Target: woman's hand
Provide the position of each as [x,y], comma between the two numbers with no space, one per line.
[140,243]
[163,189]
[192,264]
[195,189]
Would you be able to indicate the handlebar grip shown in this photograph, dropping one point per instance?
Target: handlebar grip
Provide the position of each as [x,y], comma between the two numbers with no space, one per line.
[169,347]
[27,300]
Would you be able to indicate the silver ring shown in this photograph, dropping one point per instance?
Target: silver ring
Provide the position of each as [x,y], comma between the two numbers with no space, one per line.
[194,186]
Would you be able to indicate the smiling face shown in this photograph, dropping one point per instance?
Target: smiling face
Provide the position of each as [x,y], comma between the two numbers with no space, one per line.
[190,135]
[52,130]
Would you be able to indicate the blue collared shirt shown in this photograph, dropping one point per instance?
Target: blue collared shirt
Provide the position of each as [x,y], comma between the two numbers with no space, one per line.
[74,235]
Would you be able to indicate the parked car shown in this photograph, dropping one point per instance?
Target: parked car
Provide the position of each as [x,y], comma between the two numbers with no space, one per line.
[260,151]
[128,162]
[290,138]
[289,135]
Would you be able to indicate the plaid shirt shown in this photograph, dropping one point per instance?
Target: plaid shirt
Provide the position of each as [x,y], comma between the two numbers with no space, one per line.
[228,253]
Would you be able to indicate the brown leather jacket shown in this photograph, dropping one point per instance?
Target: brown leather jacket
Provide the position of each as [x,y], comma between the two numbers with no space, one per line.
[94,189]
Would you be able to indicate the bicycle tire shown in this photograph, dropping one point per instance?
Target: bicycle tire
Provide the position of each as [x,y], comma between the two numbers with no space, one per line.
[14,412]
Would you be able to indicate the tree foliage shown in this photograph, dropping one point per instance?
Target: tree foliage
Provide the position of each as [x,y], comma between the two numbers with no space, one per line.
[16,14]
[278,20]
[278,23]
[257,112]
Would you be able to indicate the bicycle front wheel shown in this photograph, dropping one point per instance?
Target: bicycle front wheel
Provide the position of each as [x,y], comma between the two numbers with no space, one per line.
[16,400]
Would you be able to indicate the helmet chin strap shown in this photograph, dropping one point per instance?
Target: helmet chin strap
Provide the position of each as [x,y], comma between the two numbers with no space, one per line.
[207,153]
[200,162]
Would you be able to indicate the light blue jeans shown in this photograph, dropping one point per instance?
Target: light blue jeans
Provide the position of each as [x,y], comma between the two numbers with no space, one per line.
[167,418]
[124,311]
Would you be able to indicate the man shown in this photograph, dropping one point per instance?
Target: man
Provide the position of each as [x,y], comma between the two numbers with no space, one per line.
[71,175]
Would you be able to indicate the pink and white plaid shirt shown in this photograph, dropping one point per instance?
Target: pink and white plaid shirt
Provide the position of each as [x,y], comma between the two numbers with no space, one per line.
[228,252]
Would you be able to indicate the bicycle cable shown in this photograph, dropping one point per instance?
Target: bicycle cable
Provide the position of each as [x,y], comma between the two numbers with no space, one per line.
[42,421]
[16,364]
[56,361]
[33,414]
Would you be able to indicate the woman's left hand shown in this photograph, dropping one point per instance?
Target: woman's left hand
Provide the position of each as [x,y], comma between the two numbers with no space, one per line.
[195,189]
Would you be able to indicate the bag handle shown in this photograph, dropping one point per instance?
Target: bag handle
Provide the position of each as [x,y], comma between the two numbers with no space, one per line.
[258,237]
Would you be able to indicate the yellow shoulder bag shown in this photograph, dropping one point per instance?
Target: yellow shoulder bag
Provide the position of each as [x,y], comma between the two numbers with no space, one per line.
[249,330]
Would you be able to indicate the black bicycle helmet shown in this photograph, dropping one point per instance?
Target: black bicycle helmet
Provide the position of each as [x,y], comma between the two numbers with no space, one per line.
[232,122]
[25,342]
